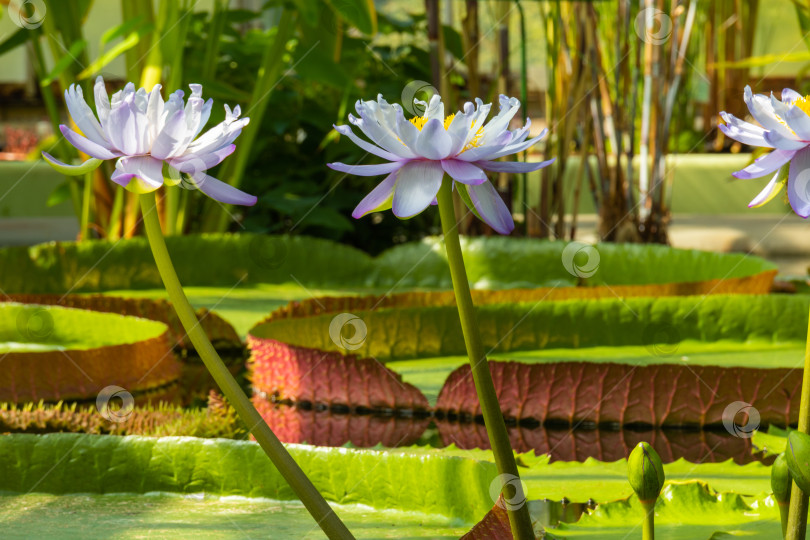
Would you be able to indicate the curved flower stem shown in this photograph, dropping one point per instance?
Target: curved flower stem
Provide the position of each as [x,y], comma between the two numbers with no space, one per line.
[797,515]
[289,469]
[519,518]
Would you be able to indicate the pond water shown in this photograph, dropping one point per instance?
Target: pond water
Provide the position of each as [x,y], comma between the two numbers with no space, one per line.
[329,428]
[199,516]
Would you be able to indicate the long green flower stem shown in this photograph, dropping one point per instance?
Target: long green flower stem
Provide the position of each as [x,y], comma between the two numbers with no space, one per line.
[648,528]
[519,519]
[292,473]
[797,515]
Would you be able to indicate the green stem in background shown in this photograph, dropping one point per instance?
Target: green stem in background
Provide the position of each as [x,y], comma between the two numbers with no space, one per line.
[524,99]
[268,78]
[87,199]
[215,30]
[62,150]
[519,518]
[648,528]
[797,515]
[784,509]
[114,228]
[275,450]
[176,23]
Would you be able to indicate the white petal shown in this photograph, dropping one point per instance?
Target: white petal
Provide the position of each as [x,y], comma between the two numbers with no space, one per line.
[408,133]
[418,183]
[798,185]
[765,164]
[777,140]
[433,142]
[368,147]
[102,102]
[493,129]
[206,114]
[514,148]
[464,172]
[743,132]
[771,190]
[459,130]
[789,96]
[486,152]
[86,145]
[761,109]
[380,197]
[220,191]
[489,206]
[799,122]
[139,174]
[193,163]
[154,114]
[366,170]
[171,138]
[83,116]
[378,129]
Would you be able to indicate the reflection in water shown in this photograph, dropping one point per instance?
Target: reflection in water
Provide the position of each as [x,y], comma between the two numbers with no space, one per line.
[697,446]
[296,424]
[551,513]
[293,424]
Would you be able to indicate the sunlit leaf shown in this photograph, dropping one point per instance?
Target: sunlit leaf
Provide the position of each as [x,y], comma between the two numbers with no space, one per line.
[15,40]
[121,47]
[67,59]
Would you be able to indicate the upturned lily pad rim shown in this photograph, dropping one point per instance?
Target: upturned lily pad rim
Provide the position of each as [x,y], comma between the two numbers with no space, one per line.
[225,259]
[71,329]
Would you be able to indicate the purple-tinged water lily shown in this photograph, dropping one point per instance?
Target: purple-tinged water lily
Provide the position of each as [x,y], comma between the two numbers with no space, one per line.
[785,127]
[144,133]
[421,150]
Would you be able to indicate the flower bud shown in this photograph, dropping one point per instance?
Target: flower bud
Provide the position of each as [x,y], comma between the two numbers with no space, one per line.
[781,480]
[645,472]
[797,455]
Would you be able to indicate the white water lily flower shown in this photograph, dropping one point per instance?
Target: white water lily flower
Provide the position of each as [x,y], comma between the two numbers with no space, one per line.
[143,133]
[421,150]
[785,127]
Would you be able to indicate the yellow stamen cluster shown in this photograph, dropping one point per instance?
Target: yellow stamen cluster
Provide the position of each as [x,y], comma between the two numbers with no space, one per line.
[803,103]
[476,140]
[419,122]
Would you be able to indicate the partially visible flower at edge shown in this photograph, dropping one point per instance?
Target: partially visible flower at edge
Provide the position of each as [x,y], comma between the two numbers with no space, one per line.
[786,129]
[421,150]
[143,132]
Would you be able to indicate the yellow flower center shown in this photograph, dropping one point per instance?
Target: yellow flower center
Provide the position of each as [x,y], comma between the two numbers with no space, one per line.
[803,103]
[419,122]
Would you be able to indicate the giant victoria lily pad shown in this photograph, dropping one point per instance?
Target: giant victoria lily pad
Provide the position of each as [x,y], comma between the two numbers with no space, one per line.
[53,353]
[659,361]
[413,344]
[185,487]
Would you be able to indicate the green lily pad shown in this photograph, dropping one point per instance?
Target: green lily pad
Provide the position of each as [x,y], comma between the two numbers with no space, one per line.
[246,259]
[53,353]
[685,359]
[771,442]
[187,486]
[683,512]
